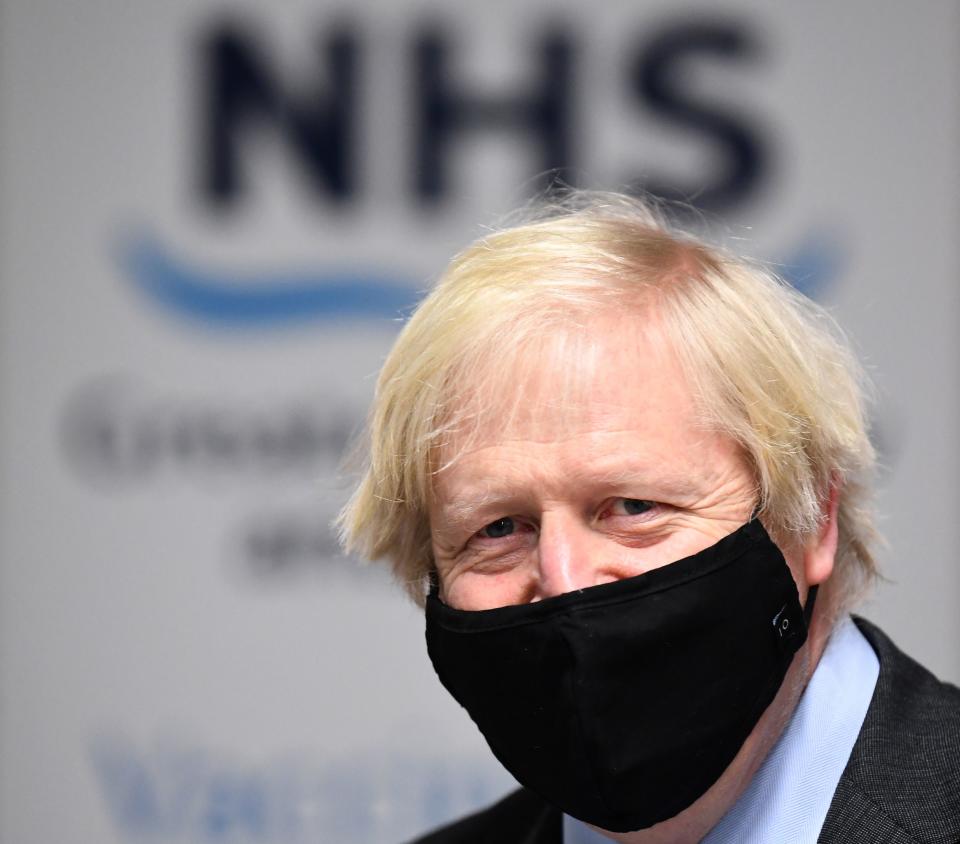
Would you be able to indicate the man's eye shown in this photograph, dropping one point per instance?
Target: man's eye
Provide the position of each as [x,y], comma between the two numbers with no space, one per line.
[633,506]
[499,528]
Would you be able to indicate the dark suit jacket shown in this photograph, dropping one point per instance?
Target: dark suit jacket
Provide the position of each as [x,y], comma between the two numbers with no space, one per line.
[901,784]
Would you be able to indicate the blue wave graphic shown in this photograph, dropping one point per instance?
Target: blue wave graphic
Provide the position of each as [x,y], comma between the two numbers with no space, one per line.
[278,300]
[816,263]
[258,301]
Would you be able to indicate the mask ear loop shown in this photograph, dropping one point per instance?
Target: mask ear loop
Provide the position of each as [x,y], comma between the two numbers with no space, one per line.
[811,600]
[811,592]
[433,584]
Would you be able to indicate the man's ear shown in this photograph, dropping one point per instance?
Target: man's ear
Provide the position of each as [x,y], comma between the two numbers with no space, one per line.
[820,551]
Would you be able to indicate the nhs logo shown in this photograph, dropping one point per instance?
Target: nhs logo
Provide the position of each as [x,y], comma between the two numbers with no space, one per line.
[314,126]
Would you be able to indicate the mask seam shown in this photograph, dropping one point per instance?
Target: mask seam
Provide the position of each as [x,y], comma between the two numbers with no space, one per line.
[577,710]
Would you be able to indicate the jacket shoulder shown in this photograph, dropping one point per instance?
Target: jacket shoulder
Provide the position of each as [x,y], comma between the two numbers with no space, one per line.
[905,764]
[519,818]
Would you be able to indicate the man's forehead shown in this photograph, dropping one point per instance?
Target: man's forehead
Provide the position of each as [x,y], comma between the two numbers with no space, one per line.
[669,460]
[613,411]
[599,373]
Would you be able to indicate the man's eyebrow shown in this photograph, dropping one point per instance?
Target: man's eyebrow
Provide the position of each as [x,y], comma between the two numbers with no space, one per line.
[464,507]
[650,476]
[622,476]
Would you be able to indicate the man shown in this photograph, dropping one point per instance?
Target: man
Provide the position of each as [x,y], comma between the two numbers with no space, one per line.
[627,475]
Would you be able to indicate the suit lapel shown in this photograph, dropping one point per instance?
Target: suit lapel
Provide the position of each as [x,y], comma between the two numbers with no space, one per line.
[855,819]
[900,784]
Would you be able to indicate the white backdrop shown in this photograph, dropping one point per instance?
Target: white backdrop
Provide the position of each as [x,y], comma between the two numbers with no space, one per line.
[194,308]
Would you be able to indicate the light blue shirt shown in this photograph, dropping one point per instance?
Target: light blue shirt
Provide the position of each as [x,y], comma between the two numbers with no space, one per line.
[788,798]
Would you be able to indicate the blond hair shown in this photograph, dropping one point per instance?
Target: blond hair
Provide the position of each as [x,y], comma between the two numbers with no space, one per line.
[768,367]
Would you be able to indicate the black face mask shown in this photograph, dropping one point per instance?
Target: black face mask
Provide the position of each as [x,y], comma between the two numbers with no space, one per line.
[621,704]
